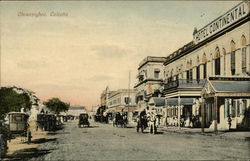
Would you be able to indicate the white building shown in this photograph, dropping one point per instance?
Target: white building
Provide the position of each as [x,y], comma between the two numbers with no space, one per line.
[76,110]
[149,78]
[207,69]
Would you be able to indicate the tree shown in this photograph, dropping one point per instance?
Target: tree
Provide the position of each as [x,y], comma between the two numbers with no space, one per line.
[56,105]
[11,100]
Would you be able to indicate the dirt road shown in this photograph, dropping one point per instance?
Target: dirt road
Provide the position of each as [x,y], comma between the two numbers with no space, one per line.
[104,142]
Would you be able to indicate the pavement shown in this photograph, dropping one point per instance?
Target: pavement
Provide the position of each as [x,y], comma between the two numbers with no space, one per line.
[237,135]
[233,134]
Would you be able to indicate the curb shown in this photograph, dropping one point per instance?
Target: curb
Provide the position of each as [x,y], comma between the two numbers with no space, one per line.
[218,135]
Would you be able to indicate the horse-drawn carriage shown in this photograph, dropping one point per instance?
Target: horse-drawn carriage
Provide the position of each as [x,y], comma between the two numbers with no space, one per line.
[83,120]
[46,122]
[18,124]
[120,120]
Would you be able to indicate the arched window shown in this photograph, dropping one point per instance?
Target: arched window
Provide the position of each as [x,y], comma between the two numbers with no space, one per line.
[204,60]
[244,54]
[243,40]
[233,48]
[217,61]
[224,59]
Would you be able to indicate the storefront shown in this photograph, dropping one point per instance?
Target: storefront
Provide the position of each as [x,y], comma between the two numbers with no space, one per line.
[226,103]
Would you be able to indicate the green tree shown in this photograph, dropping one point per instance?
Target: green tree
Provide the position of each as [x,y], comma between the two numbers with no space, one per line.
[56,105]
[10,101]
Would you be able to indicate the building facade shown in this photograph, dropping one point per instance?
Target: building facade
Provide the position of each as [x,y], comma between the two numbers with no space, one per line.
[149,79]
[218,54]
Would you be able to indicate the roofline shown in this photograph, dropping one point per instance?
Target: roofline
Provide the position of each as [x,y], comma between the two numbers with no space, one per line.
[147,60]
[213,37]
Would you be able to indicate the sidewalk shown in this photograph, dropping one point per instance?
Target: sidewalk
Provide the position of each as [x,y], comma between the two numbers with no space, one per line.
[236,135]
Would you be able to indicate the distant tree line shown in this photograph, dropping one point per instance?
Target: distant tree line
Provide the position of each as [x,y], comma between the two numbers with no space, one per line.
[56,105]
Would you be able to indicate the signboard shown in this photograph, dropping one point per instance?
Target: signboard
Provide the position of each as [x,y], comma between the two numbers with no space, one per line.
[238,12]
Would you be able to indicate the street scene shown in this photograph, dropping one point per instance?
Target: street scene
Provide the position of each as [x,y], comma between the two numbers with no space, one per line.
[125,80]
[105,142]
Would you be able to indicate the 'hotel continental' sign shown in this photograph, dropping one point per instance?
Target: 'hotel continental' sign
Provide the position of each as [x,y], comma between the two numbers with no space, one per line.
[233,15]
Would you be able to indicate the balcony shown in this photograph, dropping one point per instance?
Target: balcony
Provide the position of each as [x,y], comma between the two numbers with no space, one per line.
[184,83]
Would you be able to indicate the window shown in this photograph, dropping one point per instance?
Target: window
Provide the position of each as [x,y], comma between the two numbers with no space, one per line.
[191,74]
[198,73]
[244,60]
[205,70]
[233,62]
[233,48]
[217,66]
[127,100]
[156,73]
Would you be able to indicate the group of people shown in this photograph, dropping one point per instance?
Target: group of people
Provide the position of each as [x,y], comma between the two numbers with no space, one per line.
[120,119]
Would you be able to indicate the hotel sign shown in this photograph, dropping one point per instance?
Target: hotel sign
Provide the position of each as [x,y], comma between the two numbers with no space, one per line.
[238,12]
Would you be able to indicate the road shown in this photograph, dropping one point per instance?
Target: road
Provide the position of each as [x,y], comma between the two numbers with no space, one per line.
[104,142]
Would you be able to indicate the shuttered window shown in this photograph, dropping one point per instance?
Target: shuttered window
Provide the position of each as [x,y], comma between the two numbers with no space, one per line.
[244,60]
[205,70]
[233,62]
[217,66]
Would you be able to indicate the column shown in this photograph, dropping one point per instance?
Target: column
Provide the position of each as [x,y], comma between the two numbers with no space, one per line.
[238,62]
[222,65]
[201,71]
[248,58]
[179,111]
[215,113]
[194,73]
[184,75]
[209,69]
[228,64]
[202,115]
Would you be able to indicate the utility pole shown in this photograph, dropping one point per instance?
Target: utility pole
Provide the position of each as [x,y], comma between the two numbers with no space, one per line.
[179,111]
[128,90]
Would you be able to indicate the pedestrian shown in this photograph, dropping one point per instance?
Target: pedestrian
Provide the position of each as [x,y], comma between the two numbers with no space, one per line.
[229,121]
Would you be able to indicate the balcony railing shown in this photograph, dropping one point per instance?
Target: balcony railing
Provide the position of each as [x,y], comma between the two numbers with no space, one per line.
[184,83]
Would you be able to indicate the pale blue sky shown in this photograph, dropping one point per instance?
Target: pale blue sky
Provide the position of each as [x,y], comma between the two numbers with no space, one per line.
[77,56]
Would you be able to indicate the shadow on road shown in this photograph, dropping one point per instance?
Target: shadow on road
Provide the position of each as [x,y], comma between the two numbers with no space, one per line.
[89,127]
[55,133]
[27,154]
[42,140]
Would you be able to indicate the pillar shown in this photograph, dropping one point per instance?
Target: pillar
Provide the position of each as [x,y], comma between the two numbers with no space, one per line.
[238,62]
[228,64]
[202,115]
[209,69]
[179,111]
[248,58]
[201,71]
[215,114]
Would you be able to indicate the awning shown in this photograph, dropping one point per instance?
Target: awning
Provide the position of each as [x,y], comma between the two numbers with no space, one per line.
[227,87]
[157,101]
[231,86]
[183,101]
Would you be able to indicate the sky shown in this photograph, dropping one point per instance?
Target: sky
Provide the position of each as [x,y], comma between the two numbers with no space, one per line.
[75,57]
